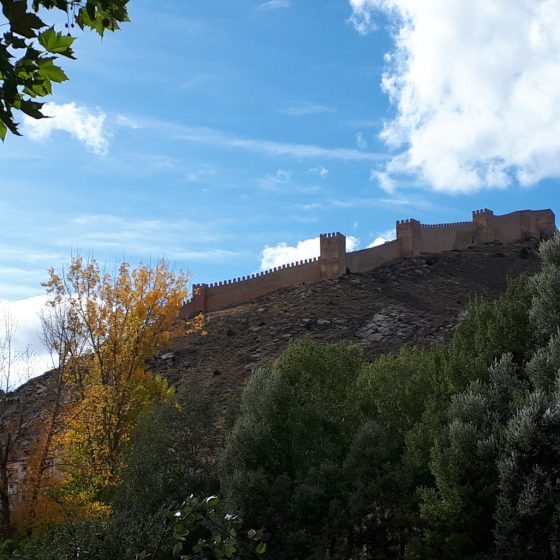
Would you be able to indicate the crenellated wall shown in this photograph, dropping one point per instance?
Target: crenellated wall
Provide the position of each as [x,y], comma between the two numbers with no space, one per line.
[211,297]
[413,238]
[368,259]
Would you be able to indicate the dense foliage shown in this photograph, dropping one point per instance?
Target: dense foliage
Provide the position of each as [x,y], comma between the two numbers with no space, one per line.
[30,49]
[451,452]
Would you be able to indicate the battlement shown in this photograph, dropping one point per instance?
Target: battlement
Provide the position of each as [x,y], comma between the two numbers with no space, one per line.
[413,238]
[259,274]
[455,225]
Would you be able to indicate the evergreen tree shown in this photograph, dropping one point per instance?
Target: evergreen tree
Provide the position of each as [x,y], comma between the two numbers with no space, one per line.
[459,510]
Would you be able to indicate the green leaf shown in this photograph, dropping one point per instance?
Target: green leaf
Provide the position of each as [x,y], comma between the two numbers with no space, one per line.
[181,530]
[90,9]
[212,502]
[7,118]
[31,108]
[56,43]
[3,131]
[38,88]
[16,42]
[261,548]
[52,72]
[100,21]
[21,21]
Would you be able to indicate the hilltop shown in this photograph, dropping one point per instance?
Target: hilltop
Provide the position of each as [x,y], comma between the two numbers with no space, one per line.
[418,300]
[413,301]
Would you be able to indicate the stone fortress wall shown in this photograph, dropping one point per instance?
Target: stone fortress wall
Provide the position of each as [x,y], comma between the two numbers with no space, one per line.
[413,238]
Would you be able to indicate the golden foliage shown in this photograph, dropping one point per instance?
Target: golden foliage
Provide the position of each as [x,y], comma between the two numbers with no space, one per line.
[110,328]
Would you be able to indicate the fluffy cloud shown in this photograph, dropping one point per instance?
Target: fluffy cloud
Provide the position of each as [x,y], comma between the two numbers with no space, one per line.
[384,237]
[307,249]
[86,126]
[476,86]
[384,180]
[362,15]
[25,314]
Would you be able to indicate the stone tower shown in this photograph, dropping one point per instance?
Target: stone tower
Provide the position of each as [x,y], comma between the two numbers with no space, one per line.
[408,233]
[333,254]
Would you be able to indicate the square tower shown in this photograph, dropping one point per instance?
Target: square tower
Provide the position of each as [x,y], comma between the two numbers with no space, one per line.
[333,255]
[408,233]
[485,228]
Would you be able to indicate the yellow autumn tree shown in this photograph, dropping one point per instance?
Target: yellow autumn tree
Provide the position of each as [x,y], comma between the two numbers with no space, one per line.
[107,328]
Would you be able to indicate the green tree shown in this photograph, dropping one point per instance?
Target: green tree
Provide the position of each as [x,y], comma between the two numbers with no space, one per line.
[30,49]
[169,455]
[316,453]
[545,308]
[282,466]
[528,511]
[528,514]
[487,331]
[394,389]
[458,511]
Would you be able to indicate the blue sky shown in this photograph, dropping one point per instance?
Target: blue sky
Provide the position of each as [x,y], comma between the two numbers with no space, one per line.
[225,136]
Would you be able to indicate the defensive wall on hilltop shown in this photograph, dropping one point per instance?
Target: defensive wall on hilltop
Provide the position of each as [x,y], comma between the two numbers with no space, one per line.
[413,238]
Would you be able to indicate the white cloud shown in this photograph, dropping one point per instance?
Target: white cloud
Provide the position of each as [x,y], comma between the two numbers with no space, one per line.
[127,122]
[307,249]
[362,15]
[277,181]
[323,172]
[218,139]
[304,109]
[86,126]
[274,4]
[476,86]
[384,180]
[196,81]
[199,174]
[27,334]
[389,235]
[142,240]
[361,142]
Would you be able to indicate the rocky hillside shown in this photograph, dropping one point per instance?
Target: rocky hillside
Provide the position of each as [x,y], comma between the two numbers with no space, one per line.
[414,301]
